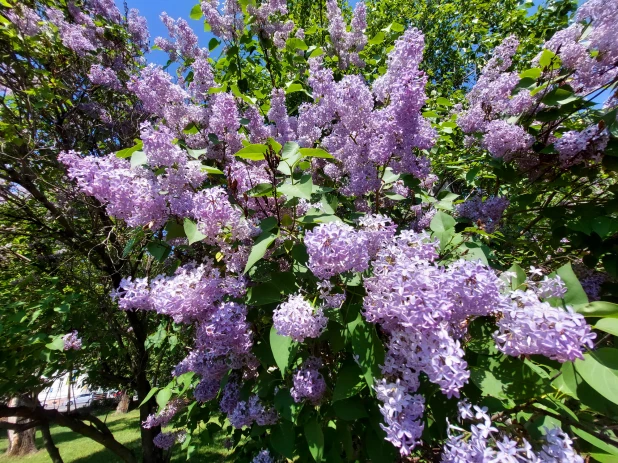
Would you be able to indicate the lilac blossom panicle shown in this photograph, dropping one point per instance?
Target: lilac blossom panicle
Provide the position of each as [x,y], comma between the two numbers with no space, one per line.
[330,298]
[346,44]
[483,442]
[252,411]
[334,248]
[72,341]
[552,287]
[206,390]
[106,77]
[25,19]
[298,319]
[378,229]
[164,416]
[165,440]
[576,147]
[402,414]
[503,140]
[138,28]
[488,212]
[227,24]
[533,327]
[263,457]
[309,383]
[575,44]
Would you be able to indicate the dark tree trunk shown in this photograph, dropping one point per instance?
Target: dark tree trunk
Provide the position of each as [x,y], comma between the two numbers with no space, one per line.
[20,442]
[123,405]
[150,452]
[52,450]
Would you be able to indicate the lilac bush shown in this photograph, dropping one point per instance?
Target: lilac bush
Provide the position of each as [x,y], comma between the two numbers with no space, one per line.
[320,265]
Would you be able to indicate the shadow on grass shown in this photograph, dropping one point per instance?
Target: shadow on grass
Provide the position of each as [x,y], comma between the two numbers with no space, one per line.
[106,456]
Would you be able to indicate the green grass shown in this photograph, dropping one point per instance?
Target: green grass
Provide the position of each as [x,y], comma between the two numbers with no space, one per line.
[74,448]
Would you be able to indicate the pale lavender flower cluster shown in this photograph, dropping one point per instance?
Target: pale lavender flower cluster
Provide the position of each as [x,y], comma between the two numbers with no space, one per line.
[165,440]
[298,319]
[402,414]
[378,230]
[100,75]
[72,341]
[488,212]
[490,100]
[422,217]
[25,19]
[155,89]
[76,36]
[309,383]
[185,41]
[362,137]
[206,390]
[576,147]
[346,44]
[503,140]
[228,24]
[226,332]
[107,9]
[533,327]
[334,248]
[129,193]
[192,293]
[483,442]
[575,44]
[138,28]
[330,298]
[263,457]
[164,416]
[267,24]
[425,310]
[552,287]
[245,413]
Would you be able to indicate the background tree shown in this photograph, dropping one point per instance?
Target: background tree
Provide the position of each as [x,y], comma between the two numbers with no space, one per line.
[56,243]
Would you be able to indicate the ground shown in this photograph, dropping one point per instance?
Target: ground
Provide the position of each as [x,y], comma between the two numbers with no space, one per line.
[75,448]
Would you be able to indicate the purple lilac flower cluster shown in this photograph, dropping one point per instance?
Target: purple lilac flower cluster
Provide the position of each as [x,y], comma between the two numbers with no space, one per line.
[83,35]
[245,413]
[206,390]
[330,298]
[298,319]
[336,247]
[363,137]
[588,145]
[593,32]
[425,309]
[346,44]
[165,440]
[72,341]
[484,442]
[588,49]
[488,212]
[227,24]
[535,327]
[263,457]
[25,19]
[402,414]
[309,383]
[164,416]
[267,23]
[552,287]
[192,293]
